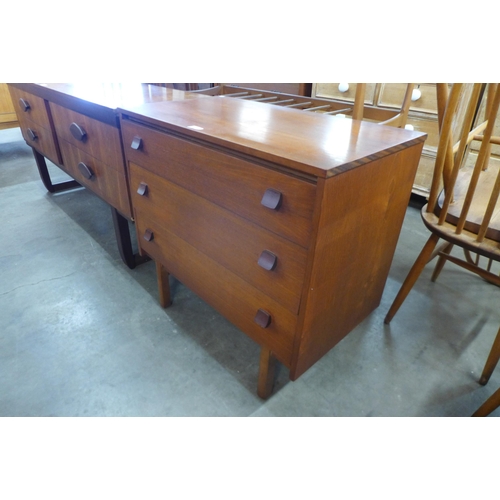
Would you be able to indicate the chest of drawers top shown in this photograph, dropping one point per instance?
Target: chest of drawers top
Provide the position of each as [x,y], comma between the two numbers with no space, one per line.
[321,146]
[101,100]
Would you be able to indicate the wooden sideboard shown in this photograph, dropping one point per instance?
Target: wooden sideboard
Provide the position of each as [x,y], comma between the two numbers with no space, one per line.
[386,96]
[285,222]
[77,128]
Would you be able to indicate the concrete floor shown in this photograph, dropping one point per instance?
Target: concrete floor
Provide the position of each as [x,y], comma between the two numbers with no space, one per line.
[83,335]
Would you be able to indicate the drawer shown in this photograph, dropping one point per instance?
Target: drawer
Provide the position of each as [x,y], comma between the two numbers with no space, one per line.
[108,183]
[423,178]
[228,181]
[232,241]
[392,95]
[335,91]
[230,295]
[98,139]
[41,139]
[30,107]
[428,126]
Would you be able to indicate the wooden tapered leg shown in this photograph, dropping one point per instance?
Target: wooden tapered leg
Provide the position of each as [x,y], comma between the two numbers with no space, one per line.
[491,404]
[163,285]
[412,277]
[492,360]
[441,262]
[266,373]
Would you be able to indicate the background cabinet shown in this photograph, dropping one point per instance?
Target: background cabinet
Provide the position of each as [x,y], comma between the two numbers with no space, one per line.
[422,116]
[8,116]
[303,89]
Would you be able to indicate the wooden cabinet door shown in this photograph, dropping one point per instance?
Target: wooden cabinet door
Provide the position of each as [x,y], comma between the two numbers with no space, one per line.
[8,116]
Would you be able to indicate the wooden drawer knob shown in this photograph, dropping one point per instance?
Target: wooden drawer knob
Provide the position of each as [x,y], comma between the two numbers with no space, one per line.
[85,170]
[78,132]
[142,190]
[32,135]
[148,235]
[136,143]
[267,260]
[272,199]
[262,318]
[25,105]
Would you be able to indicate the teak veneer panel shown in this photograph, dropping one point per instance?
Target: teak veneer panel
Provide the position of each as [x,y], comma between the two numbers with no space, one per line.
[232,296]
[225,237]
[37,111]
[229,181]
[105,182]
[38,119]
[102,141]
[44,142]
[359,223]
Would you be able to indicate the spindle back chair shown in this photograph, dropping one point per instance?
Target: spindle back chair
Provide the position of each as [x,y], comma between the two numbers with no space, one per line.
[463,207]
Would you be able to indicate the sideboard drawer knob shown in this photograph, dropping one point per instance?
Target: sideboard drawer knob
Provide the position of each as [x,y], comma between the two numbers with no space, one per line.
[148,235]
[78,132]
[142,190]
[85,170]
[262,318]
[272,199]
[267,260]
[25,105]
[136,143]
[32,135]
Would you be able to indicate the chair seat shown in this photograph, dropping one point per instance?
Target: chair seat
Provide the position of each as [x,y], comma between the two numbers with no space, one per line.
[478,207]
[467,239]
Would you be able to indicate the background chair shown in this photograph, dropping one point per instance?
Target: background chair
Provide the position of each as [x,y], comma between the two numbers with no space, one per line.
[490,405]
[463,207]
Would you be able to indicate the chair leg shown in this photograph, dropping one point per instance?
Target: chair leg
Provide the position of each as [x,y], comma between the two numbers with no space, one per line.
[490,405]
[441,262]
[492,360]
[412,277]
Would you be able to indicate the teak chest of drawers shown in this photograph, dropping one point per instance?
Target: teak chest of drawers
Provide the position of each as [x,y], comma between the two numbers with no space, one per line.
[286,223]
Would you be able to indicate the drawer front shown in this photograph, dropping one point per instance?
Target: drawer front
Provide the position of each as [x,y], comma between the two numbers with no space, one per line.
[392,95]
[428,126]
[343,92]
[41,139]
[233,297]
[100,140]
[235,243]
[106,182]
[233,183]
[423,178]
[30,107]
